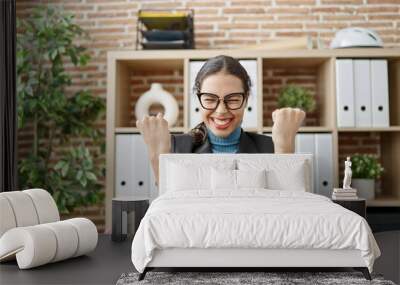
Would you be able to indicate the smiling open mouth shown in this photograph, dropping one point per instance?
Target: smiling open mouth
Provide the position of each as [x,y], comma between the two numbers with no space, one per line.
[221,124]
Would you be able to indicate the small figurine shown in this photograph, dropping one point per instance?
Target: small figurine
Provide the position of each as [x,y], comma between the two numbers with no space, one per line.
[347,192]
[347,174]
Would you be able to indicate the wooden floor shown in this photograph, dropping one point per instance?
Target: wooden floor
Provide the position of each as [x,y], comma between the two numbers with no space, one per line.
[103,266]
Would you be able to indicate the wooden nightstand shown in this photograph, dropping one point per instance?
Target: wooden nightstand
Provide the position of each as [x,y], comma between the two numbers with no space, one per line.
[358,206]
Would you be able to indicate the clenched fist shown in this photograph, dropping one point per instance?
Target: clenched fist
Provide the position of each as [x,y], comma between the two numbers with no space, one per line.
[287,122]
[157,138]
[155,134]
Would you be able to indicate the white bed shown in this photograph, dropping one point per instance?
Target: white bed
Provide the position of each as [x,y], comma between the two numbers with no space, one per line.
[200,219]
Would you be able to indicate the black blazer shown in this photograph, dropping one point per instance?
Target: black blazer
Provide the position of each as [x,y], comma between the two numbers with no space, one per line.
[249,143]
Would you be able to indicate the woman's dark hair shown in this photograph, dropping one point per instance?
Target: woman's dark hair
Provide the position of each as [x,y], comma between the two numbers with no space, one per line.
[220,63]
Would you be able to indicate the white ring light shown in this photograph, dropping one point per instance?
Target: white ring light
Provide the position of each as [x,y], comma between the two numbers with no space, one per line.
[157,95]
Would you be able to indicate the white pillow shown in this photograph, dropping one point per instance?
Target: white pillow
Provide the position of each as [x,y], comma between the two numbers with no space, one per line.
[223,179]
[190,176]
[283,173]
[251,178]
[282,179]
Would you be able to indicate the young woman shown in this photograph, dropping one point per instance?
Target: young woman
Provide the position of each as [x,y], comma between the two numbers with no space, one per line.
[222,86]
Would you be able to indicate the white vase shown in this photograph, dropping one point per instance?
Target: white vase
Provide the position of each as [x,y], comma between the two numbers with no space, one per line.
[365,188]
[158,95]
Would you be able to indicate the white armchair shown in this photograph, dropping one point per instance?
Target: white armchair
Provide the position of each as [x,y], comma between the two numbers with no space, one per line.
[31,230]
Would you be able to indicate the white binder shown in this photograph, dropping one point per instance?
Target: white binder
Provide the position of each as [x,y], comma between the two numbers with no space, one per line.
[345,93]
[153,186]
[250,115]
[131,166]
[379,93]
[324,164]
[194,104]
[362,93]
[305,143]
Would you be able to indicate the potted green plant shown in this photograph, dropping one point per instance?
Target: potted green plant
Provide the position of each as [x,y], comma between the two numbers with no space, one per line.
[296,97]
[365,169]
[65,143]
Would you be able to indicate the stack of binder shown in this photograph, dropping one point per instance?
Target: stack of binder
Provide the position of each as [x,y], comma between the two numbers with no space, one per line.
[362,93]
[344,194]
[157,29]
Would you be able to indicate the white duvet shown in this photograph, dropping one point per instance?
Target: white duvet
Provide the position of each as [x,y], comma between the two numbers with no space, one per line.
[253,218]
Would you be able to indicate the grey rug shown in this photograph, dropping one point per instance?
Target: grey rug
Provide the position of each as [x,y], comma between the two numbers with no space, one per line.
[229,278]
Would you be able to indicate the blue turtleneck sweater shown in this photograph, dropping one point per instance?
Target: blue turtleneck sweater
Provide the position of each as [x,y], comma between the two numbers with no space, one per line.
[230,144]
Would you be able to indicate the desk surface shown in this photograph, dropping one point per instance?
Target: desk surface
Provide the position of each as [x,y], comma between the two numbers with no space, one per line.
[102,266]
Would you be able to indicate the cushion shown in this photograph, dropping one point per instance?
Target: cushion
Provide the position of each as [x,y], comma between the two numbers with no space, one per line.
[45,205]
[66,237]
[223,179]
[237,179]
[87,233]
[34,244]
[7,215]
[283,172]
[52,242]
[23,208]
[26,208]
[251,179]
[187,175]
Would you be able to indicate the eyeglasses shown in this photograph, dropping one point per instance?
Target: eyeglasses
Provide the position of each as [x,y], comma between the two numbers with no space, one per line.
[233,101]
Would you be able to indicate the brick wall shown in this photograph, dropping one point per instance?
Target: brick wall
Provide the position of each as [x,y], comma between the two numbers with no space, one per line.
[218,24]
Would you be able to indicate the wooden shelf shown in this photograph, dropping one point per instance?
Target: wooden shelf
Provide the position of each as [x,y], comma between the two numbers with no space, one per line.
[304,129]
[384,201]
[130,73]
[380,129]
[127,54]
[154,64]
[254,130]
[132,130]
[126,130]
